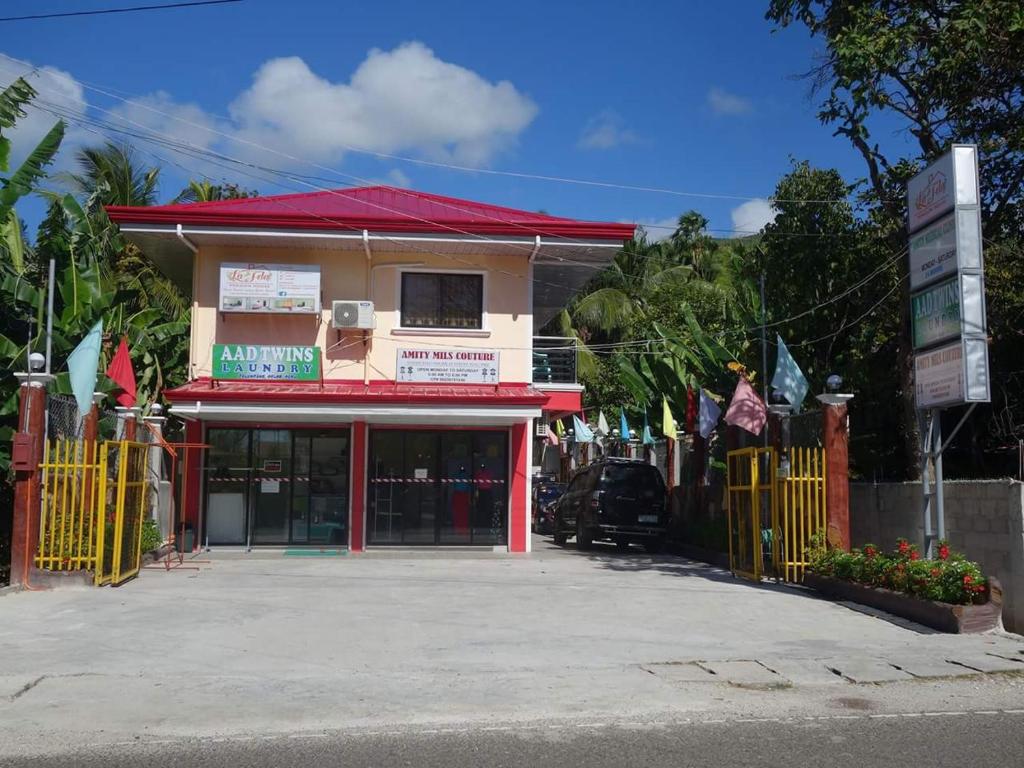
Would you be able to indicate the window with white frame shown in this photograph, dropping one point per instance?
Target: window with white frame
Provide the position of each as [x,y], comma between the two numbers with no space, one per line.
[450,300]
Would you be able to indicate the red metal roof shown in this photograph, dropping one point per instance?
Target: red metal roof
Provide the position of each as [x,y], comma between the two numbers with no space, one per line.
[379,208]
[376,392]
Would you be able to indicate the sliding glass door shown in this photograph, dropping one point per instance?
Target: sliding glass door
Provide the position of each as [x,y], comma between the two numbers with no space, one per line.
[277,486]
[437,487]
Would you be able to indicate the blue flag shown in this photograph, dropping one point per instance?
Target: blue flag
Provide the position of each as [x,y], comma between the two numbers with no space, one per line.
[581,431]
[623,426]
[82,368]
[648,438]
[789,379]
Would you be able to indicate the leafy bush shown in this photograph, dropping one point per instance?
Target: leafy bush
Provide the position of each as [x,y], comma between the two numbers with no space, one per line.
[950,578]
[151,538]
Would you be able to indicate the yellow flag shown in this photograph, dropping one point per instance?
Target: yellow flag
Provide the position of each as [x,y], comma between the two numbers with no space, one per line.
[559,429]
[668,424]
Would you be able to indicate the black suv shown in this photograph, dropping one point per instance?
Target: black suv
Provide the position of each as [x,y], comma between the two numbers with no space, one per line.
[616,500]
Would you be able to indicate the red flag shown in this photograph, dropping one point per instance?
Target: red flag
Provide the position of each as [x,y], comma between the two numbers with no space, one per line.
[121,373]
[691,411]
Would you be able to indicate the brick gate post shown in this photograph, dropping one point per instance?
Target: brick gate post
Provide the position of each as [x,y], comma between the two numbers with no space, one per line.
[26,456]
[836,438]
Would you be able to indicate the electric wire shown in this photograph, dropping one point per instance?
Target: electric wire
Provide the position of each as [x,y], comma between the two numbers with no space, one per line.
[106,11]
[111,93]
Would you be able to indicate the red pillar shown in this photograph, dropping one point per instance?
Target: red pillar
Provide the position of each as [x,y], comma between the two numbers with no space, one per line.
[357,504]
[519,507]
[28,454]
[191,485]
[837,474]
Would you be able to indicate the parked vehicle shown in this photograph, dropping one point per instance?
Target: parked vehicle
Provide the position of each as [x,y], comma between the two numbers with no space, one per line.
[545,494]
[613,499]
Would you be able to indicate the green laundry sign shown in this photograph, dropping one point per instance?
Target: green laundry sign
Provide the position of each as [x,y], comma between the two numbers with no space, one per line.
[935,313]
[248,361]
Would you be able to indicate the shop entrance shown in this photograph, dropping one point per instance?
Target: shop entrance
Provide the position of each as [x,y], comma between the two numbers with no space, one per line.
[277,486]
[437,487]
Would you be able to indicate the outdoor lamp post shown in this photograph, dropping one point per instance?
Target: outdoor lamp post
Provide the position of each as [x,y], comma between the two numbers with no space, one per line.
[782,410]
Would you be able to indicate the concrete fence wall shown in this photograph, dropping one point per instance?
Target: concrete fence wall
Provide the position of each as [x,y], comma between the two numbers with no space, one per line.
[984,520]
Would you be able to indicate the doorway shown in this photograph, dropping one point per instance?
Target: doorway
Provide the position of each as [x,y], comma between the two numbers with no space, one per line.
[277,486]
[438,487]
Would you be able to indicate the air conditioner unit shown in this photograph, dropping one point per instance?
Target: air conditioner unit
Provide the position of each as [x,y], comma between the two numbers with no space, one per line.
[357,315]
[540,428]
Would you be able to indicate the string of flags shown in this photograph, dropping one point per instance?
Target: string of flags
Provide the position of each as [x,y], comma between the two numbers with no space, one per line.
[746,409]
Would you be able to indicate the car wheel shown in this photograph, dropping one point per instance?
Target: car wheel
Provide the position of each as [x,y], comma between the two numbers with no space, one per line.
[560,537]
[654,546]
[583,538]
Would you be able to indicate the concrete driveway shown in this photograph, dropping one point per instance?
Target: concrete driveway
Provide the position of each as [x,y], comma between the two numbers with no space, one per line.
[262,642]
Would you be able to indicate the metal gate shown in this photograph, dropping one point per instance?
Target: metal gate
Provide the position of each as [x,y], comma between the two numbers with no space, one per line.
[772,518]
[94,499]
[751,501]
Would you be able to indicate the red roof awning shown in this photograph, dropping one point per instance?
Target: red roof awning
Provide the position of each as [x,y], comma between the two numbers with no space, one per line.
[377,209]
[376,392]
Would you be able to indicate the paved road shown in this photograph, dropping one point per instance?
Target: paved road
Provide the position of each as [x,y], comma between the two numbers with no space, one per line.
[268,645]
[935,739]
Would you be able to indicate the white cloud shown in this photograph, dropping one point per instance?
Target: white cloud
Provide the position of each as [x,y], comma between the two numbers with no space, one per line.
[724,103]
[751,217]
[160,113]
[604,131]
[404,100]
[393,178]
[657,229]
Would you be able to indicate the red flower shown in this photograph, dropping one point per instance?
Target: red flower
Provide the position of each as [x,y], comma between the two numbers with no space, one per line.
[936,572]
[968,579]
[869,551]
[943,552]
[903,546]
[913,554]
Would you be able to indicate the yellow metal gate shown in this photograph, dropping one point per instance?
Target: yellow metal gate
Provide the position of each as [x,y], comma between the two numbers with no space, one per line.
[799,513]
[94,499]
[751,501]
[772,518]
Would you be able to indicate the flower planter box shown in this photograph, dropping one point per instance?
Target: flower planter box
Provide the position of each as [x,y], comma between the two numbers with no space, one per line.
[942,616]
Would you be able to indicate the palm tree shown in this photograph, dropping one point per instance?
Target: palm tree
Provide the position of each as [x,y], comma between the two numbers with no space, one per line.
[619,295]
[114,171]
[205,192]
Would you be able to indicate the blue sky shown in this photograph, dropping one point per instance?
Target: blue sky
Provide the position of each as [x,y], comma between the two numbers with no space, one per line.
[690,96]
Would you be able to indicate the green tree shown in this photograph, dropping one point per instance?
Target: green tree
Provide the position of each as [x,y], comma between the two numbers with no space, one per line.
[948,71]
[832,293]
[205,192]
[114,171]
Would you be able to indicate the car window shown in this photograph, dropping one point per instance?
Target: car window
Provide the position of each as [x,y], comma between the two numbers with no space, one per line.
[638,479]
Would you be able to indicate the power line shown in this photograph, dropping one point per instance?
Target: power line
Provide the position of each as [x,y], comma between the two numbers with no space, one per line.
[210,156]
[104,11]
[111,93]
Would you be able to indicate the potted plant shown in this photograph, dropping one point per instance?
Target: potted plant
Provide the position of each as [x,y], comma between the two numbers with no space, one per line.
[948,593]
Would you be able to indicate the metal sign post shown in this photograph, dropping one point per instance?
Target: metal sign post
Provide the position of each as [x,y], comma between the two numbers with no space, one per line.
[947,309]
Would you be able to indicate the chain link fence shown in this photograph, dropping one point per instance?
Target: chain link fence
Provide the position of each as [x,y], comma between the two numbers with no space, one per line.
[64,422]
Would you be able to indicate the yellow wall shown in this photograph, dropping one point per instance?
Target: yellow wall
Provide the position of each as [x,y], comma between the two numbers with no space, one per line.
[343,275]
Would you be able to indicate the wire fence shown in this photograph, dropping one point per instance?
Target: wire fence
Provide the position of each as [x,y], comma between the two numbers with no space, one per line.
[65,422]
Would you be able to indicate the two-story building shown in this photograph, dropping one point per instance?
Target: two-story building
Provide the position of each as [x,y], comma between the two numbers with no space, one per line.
[363,362]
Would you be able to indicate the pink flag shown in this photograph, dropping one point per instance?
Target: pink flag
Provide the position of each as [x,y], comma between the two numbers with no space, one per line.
[552,437]
[746,409]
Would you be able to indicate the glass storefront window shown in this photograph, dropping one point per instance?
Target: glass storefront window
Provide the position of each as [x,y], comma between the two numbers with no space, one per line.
[437,487]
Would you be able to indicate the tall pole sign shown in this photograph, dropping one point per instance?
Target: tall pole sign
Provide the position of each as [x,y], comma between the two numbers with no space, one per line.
[947,307]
